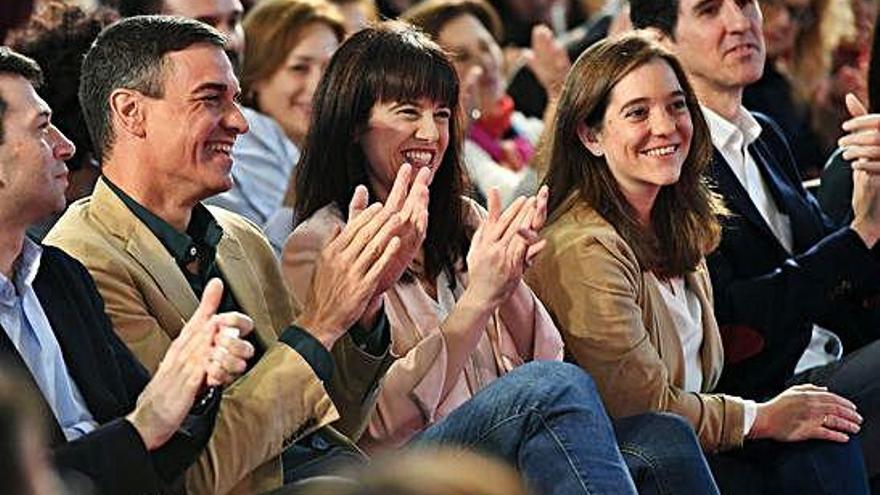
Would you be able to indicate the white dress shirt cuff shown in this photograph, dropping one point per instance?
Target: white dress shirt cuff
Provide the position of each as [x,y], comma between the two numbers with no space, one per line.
[751,412]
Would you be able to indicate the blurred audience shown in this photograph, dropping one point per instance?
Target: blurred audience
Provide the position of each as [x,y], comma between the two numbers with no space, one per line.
[519,17]
[829,60]
[289,45]
[223,15]
[836,189]
[391,9]
[500,147]
[358,14]
[14,14]
[786,24]
[610,20]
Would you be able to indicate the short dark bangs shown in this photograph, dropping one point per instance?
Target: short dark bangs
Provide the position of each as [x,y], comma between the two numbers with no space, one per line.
[415,69]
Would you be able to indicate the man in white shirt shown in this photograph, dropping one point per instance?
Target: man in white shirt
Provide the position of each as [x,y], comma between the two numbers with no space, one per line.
[781,267]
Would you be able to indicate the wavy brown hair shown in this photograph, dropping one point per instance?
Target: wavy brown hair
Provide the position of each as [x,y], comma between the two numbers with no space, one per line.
[684,218]
[391,61]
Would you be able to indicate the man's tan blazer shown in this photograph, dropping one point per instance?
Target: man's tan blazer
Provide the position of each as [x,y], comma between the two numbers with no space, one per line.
[616,325]
[149,300]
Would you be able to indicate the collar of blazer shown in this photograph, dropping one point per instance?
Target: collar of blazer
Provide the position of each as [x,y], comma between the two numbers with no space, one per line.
[147,251]
[590,224]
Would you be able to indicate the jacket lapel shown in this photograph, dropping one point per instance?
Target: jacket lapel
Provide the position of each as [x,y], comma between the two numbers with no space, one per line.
[737,198]
[735,195]
[243,283]
[789,200]
[145,249]
[12,358]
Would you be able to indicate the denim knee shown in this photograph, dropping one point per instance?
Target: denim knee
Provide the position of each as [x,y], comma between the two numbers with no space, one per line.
[673,428]
[555,382]
[659,435]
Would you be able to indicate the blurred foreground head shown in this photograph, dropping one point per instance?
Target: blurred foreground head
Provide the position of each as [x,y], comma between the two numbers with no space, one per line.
[431,472]
[24,469]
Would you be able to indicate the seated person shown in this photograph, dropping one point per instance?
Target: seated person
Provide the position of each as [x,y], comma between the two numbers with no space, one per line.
[465,330]
[624,273]
[110,422]
[159,96]
[288,45]
[783,275]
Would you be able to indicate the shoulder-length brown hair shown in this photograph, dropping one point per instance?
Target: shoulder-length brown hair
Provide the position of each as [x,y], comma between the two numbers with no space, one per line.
[391,61]
[684,219]
[272,29]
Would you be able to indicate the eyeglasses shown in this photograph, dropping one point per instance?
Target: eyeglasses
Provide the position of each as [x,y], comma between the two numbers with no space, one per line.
[800,14]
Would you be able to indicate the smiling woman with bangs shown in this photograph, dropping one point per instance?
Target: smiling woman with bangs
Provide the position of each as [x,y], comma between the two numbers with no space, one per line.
[371,118]
[466,333]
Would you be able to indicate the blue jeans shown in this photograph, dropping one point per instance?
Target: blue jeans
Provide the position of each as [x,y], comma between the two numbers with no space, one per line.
[663,455]
[547,419]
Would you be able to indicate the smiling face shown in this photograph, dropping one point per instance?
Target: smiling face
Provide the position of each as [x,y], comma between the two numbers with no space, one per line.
[415,132]
[646,131]
[190,130]
[471,44]
[719,43]
[33,176]
[286,95]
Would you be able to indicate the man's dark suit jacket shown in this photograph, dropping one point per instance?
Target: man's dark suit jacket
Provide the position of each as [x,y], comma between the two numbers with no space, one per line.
[110,379]
[766,300]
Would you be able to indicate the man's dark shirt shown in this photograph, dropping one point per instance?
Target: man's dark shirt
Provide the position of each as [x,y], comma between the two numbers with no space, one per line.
[197,249]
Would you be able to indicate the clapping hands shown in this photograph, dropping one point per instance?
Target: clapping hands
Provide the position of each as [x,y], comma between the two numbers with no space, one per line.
[504,245]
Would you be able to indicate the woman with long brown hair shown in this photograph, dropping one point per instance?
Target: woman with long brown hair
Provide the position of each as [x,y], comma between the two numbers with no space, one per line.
[630,221]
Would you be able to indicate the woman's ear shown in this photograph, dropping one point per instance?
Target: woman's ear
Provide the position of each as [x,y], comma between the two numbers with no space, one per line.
[590,139]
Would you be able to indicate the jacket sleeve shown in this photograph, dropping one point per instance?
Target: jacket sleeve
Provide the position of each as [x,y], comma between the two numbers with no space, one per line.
[592,289]
[356,373]
[113,457]
[802,289]
[180,452]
